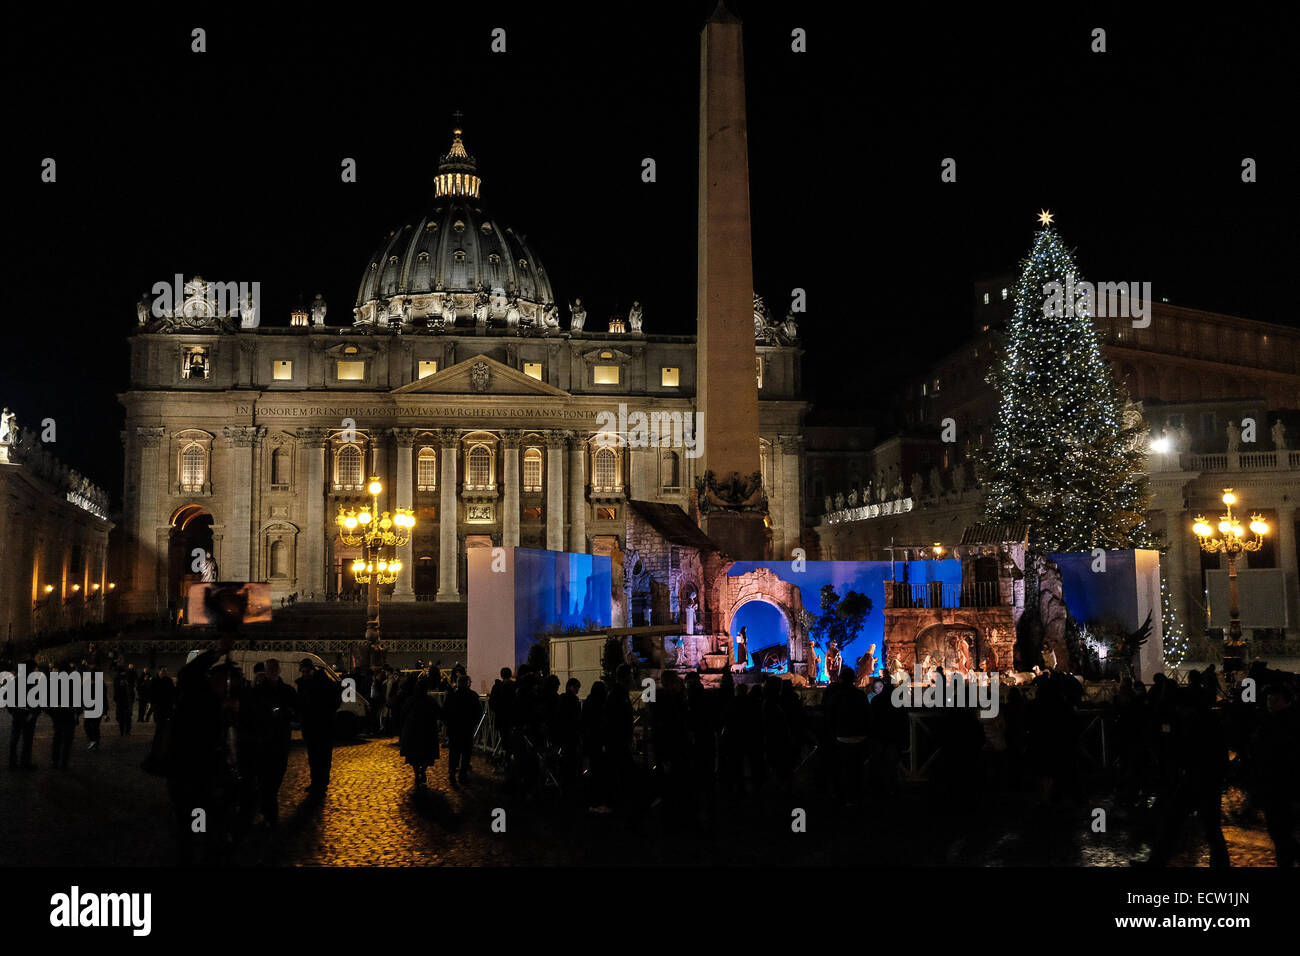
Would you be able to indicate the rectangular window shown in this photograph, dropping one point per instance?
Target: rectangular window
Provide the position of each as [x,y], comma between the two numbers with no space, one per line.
[533,370]
[670,377]
[428,367]
[758,365]
[604,375]
[533,470]
[351,371]
[282,370]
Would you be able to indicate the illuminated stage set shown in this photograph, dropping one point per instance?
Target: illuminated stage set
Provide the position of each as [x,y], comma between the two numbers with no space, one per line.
[676,602]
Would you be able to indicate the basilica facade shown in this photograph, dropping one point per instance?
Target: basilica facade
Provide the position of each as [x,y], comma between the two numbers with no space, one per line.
[455,381]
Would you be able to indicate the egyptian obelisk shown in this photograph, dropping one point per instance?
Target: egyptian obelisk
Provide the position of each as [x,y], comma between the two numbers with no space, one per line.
[727,390]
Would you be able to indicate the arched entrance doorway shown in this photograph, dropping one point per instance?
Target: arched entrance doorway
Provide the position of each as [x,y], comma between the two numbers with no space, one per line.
[190,538]
[767,634]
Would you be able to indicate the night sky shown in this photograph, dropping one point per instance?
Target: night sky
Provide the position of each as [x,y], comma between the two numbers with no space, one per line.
[227,164]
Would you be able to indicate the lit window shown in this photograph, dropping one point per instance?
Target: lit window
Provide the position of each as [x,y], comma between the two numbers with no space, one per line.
[426,471]
[349,467]
[986,298]
[282,370]
[605,375]
[758,366]
[533,370]
[606,469]
[478,467]
[1004,294]
[670,377]
[351,371]
[427,367]
[533,469]
[193,467]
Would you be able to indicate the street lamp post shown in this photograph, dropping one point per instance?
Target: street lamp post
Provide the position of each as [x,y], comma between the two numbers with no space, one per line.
[374,531]
[1232,542]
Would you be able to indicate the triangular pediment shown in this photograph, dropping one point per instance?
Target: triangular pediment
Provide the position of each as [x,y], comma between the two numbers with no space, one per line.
[479,375]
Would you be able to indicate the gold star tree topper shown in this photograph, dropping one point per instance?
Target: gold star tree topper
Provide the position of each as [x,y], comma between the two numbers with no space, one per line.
[1044,217]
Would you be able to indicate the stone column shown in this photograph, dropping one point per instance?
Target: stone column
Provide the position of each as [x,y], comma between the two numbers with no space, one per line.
[577,493]
[510,439]
[1286,560]
[555,445]
[1176,572]
[404,589]
[789,451]
[448,552]
[311,492]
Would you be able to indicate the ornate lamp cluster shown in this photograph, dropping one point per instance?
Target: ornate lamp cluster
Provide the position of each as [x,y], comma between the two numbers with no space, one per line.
[1233,540]
[375,530]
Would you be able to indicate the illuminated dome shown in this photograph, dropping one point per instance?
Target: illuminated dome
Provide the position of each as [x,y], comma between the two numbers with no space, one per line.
[457,251]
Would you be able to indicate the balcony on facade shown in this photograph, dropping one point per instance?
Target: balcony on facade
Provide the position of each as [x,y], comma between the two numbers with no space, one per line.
[934,595]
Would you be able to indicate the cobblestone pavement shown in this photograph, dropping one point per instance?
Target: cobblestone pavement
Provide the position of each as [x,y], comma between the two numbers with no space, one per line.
[104,810]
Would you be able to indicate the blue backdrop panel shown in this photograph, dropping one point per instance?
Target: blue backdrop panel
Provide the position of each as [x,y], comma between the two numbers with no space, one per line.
[557,588]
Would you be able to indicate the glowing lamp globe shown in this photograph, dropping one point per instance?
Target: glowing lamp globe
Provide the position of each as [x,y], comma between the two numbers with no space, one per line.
[350,522]
[1160,446]
[358,565]
[1238,531]
[1225,527]
[374,487]
[1202,529]
[1259,527]
[395,566]
[364,517]
[1229,498]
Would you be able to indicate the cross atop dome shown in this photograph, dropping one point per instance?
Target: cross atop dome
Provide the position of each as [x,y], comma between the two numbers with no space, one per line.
[457,169]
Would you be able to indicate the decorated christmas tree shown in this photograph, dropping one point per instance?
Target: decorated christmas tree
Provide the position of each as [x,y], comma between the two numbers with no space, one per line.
[1067,453]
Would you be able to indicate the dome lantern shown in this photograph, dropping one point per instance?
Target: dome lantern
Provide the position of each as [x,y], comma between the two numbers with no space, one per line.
[457,171]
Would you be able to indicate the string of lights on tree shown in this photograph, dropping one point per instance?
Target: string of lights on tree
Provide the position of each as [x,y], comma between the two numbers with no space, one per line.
[1175,641]
[1066,455]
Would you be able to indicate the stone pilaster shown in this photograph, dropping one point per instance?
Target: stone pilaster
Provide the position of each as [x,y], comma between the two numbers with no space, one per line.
[510,502]
[555,446]
[404,497]
[311,492]
[242,442]
[148,587]
[448,552]
[577,493]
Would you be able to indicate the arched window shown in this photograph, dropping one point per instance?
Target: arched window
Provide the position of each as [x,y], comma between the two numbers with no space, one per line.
[279,559]
[478,467]
[533,469]
[426,472]
[605,470]
[349,468]
[280,467]
[193,467]
[670,472]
